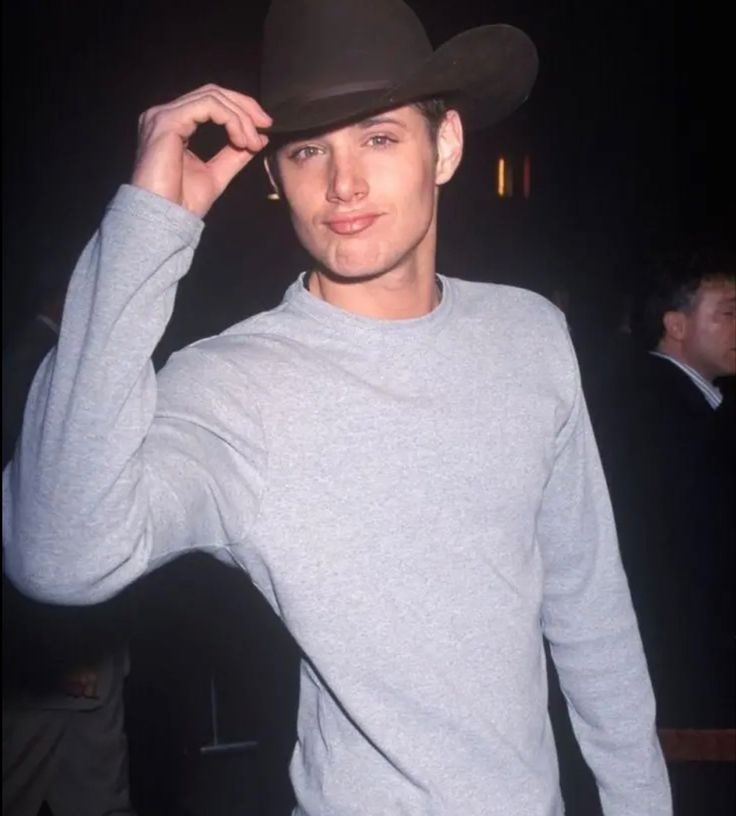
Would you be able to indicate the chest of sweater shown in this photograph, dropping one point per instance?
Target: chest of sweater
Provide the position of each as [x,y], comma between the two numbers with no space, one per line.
[412,484]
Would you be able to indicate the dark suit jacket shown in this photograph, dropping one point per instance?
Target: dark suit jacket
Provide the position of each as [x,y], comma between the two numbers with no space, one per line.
[670,463]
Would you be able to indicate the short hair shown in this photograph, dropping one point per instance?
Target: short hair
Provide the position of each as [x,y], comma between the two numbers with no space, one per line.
[674,281]
[433,109]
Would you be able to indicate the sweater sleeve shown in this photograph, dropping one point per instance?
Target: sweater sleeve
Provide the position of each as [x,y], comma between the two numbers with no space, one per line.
[112,474]
[589,622]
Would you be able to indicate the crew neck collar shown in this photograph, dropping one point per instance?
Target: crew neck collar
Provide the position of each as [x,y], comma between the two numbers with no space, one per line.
[298,296]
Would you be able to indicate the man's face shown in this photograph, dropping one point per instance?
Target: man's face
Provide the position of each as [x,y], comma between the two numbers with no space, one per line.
[709,338]
[363,197]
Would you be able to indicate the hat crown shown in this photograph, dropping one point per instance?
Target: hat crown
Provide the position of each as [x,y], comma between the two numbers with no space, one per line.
[317,48]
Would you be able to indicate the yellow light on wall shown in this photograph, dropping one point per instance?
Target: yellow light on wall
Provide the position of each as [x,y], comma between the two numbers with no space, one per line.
[505,178]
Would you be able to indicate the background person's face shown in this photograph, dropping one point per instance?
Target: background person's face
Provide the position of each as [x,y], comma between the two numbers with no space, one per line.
[710,337]
[363,198]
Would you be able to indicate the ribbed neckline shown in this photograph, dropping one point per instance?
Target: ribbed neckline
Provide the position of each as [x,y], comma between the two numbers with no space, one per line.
[299,297]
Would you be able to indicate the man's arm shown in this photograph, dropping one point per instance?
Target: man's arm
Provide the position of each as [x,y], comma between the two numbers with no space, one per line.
[98,460]
[590,624]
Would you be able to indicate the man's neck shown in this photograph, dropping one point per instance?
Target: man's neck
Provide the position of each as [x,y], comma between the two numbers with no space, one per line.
[396,295]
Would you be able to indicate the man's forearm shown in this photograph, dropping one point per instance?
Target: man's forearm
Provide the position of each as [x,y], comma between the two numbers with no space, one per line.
[74,516]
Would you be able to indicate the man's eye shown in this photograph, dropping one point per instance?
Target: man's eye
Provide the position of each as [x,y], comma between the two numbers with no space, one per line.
[381,140]
[303,153]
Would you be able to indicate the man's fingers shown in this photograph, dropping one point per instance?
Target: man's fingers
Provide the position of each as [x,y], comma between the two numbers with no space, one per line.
[241,115]
[192,113]
[164,164]
[227,163]
[258,114]
[185,117]
[246,104]
[255,141]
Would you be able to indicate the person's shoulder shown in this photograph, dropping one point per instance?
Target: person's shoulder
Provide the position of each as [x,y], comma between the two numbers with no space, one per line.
[660,403]
[502,301]
[521,318]
[236,354]
[523,327]
[662,376]
[267,336]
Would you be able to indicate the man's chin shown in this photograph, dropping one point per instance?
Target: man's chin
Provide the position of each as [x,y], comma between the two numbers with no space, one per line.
[357,271]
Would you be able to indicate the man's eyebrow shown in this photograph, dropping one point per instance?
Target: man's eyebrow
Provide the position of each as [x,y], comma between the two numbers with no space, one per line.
[380,120]
[364,124]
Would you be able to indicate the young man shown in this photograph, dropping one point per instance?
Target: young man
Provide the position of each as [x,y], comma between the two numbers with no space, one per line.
[402,462]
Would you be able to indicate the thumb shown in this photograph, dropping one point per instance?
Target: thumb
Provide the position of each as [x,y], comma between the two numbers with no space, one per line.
[226,164]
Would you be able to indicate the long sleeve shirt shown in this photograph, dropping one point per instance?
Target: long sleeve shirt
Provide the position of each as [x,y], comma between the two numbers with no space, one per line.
[421,501]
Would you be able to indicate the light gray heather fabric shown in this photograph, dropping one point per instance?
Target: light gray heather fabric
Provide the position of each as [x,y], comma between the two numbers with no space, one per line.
[419,500]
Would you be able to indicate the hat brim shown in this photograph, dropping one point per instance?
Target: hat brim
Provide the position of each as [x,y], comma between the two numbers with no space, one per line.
[485,73]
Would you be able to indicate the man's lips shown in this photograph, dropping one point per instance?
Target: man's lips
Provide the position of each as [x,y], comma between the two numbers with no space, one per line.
[352,225]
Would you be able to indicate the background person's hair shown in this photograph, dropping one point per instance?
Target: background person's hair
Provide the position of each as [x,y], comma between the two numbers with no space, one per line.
[672,283]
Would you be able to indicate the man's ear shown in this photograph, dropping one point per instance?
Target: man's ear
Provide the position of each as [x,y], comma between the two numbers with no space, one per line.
[271,179]
[449,147]
[675,324]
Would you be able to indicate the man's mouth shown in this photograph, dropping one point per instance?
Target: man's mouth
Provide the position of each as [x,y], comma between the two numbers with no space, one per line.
[352,225]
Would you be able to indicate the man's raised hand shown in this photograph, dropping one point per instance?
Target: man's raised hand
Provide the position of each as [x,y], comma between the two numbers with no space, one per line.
[164,164]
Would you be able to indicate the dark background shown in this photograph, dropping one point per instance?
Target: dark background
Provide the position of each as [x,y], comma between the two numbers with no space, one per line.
[625,130]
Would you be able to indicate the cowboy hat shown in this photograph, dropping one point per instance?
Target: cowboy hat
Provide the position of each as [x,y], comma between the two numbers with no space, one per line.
[330,61]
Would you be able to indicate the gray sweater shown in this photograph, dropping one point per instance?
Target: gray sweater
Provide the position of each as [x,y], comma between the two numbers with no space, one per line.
[420,500]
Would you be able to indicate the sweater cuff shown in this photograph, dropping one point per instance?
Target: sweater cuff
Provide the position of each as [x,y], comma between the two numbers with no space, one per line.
[140,203]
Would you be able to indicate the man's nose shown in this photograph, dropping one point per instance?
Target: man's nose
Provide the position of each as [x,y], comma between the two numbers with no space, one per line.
[347,180]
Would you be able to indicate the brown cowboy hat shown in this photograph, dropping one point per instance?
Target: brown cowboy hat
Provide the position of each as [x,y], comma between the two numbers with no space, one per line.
[330,61]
